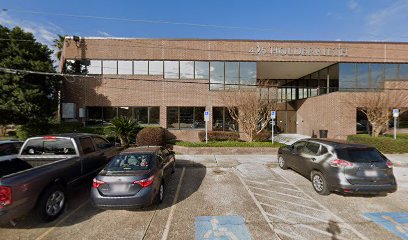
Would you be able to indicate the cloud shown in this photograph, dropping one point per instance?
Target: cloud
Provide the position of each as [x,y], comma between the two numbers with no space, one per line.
[44,33]
[103,34]
[353,5]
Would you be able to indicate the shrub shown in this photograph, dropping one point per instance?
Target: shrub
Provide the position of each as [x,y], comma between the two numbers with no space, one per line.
[383,144]
[219,136]
[151,136]
[32,129]
[66,127]
[263,137]
[123,127]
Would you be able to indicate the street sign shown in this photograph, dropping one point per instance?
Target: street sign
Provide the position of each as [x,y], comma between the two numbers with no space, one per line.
[273,114]
[206,116]
[395,113]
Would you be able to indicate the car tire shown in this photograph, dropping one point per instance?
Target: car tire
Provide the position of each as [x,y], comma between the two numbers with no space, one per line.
[51,203]
[173,169]
[160,194]
[282,163]
[319,183]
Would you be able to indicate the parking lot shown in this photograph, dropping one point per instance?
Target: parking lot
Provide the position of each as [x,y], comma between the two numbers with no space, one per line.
[273,203]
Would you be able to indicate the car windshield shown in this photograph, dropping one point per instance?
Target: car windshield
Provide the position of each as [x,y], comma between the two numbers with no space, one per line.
[130,162]
[360,155]
[49,146]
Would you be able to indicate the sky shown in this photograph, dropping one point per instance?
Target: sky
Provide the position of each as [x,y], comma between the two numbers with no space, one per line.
[340,20]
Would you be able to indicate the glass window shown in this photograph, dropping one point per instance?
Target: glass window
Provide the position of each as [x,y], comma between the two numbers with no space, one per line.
[172,117]
[346,76]
[391,71]
[140,67]
[217,76]
[201,70]
[52,146]
[323,80]
[94,115]
[156,68]
[171,69]
[110,67]
[363,155]
[8,149]
[323,150]
[130,162]
[334,78]
[109,113]
[218,118]
[199,117]
[362,76]
[311,148]
[230,124]
[403,71]
[101,143]
[187,69]
[298,146]
[86,145]
[94,67]
[376,75]
[125,112]
[247,72]
[186,117]
[125,67]
[141,115]
[154,115]
[231,75]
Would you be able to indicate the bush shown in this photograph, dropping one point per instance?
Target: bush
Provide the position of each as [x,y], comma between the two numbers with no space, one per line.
[33,129]
[151,136]
[263,137]
[66,127]
[383,144]
[219,136]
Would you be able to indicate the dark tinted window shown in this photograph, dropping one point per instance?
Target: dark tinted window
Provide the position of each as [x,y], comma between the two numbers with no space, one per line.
[311,148]
[101,143]
[130,162]
[52,146]
[297,146]
[86,145]
[360,155]
[323,150]
[8,149]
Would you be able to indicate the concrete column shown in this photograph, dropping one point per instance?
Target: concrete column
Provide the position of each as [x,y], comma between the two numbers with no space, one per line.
[210,123]
[163,116]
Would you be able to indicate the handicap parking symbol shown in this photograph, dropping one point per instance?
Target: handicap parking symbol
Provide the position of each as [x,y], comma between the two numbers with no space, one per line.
[221,228]
[395,222]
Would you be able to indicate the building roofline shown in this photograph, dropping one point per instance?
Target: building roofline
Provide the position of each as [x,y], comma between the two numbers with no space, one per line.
[239,40]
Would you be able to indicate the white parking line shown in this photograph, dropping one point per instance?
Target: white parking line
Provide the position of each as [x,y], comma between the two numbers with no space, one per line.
[324,207]
[173,206]
[237,173]
[265,184]
[297,204]
[270,180]
[283,194]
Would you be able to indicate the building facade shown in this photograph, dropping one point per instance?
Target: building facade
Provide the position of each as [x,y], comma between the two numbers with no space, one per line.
[171,82]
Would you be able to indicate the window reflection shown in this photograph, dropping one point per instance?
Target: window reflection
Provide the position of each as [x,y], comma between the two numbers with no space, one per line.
[125,67]
[201,70]
[217,76]
[403,71]
[171,69]
[110,67]
[140,67]
[187,69]
[185,117]
[377,76]
[362,76]
[222,120]
[391,71]
[247,73]
[156,68]
[231,75]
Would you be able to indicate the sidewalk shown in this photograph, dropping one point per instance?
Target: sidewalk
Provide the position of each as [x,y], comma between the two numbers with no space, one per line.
[215,160]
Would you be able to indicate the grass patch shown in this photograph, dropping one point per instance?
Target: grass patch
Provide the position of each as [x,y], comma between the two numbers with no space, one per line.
[385,144]
[228,144]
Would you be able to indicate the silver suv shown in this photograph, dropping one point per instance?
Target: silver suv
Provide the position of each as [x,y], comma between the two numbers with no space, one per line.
[336,166]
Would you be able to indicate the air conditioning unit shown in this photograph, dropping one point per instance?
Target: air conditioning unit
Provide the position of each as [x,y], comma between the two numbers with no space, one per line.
[68,110]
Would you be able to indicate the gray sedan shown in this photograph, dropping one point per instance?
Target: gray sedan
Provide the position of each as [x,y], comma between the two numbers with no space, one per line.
[134,178]
[336,166]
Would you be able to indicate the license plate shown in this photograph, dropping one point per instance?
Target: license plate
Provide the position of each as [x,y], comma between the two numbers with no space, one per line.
[120,187]
[370,173]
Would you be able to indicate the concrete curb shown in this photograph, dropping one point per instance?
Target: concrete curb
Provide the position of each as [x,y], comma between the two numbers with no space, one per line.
[225,150]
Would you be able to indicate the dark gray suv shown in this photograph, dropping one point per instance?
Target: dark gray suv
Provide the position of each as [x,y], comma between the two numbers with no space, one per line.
[336,166]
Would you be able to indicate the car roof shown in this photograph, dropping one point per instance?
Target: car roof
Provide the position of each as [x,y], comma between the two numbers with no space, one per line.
[143,149]
[10,141]
[69,135]
[336,143]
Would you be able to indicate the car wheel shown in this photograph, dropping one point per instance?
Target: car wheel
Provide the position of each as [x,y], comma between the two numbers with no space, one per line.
[173,169]
[160,194]
[282,163]
[319,183]
[51,203]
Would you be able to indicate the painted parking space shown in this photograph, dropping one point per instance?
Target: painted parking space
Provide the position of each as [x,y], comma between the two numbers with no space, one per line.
[221,227]
[395,222]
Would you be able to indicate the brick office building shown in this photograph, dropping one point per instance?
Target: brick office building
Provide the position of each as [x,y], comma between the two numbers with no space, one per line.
[171,82]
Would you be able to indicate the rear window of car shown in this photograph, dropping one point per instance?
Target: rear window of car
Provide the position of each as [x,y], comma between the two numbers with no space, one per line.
[130,162]
[8,149]
[360,155]
[52,146]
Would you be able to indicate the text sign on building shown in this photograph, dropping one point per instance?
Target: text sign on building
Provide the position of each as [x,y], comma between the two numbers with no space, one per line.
[395,112]
[299,51]
[206,116]
[273,114]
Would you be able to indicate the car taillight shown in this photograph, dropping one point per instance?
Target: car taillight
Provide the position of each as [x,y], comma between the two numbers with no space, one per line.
[145,182]
[389,164]
[5,196]
[340,163]
[49,138]
[97,183]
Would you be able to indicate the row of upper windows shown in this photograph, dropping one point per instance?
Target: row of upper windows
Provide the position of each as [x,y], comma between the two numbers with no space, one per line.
[167,69]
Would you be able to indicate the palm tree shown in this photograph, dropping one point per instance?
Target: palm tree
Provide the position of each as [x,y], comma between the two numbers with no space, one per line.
[123,127]
[58,43]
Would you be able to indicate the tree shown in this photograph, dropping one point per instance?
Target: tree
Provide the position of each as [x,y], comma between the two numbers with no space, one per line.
[58,43]
[123,127]
[377,106]
[250,112]
[24,97]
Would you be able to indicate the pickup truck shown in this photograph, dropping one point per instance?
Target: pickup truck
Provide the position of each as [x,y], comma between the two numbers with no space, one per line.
[45,168]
